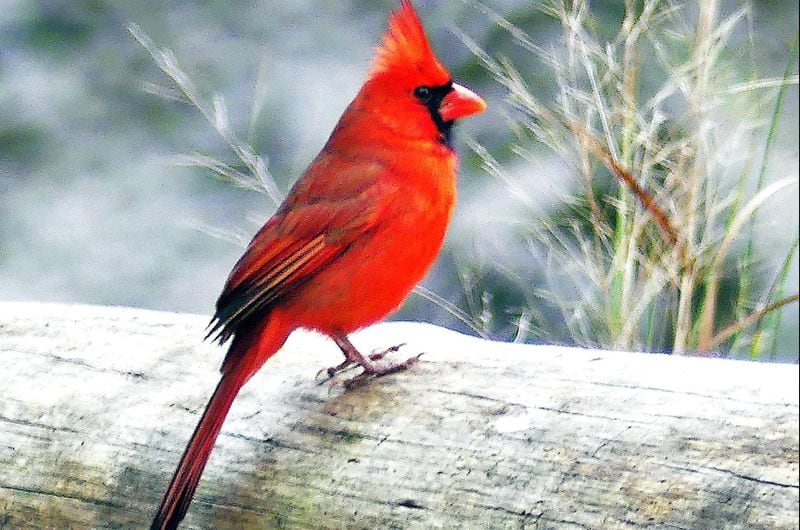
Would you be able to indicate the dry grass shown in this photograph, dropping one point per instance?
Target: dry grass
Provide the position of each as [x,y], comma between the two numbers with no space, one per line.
[256,176]
[658,241]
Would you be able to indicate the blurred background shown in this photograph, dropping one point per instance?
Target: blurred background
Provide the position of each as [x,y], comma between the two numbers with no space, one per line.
[95,209]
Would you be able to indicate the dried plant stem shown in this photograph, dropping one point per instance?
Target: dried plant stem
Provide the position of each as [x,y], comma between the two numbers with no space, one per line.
[216,114]
[647,200]
[705,340]
[625,246]
[753,317]
[701,62]
[452,309]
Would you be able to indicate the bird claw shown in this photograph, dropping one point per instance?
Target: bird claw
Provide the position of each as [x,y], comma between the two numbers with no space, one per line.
[326,374]
[377,356]
[370,371]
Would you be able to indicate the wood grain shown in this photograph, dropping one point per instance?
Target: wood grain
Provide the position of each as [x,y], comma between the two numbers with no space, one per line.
[97,403]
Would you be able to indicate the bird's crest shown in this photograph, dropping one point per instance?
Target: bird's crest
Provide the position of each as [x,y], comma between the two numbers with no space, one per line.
[405,45]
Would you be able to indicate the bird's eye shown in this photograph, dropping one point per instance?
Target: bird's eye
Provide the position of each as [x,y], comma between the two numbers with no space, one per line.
[423,93]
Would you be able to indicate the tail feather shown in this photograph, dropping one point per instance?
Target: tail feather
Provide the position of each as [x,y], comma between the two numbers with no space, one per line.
[248,352]
[184,483]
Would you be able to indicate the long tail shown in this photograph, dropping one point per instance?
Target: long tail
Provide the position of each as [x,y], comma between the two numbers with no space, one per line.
[181,489]
[247,354]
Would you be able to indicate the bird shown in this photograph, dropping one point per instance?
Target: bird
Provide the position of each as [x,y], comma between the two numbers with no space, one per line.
[354,235]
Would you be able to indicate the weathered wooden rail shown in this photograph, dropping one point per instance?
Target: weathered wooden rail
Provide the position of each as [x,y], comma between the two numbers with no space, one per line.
[97,403]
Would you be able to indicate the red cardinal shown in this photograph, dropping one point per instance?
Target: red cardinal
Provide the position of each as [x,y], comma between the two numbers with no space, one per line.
[355,234]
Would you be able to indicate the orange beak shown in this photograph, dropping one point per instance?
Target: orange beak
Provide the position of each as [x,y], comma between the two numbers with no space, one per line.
[460,103]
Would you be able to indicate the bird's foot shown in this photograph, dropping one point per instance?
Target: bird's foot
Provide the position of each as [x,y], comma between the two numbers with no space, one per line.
[370,370]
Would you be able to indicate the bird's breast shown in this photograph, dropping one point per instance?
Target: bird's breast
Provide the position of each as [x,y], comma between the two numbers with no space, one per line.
[380,268]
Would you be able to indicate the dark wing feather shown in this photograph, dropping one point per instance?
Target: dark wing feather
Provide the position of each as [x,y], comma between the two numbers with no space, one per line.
[253,287]
[315,225]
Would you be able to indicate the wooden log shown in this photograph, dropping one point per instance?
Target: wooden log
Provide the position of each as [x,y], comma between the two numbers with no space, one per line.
[97,404]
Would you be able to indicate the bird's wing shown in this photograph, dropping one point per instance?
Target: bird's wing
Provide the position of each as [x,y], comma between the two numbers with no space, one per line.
[293,245]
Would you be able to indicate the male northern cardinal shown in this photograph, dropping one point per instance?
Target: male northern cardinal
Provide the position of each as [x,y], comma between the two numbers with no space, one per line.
[355,234]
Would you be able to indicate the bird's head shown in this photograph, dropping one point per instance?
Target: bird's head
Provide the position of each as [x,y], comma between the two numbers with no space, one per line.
[410,88]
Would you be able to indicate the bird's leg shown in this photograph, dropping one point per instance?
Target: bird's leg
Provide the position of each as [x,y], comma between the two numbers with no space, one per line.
[353,357]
